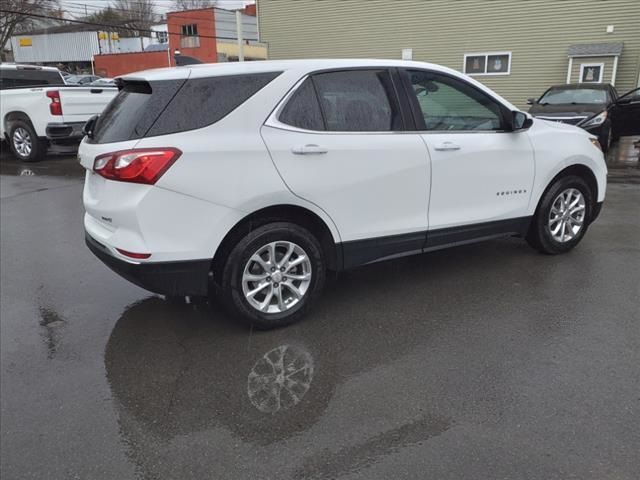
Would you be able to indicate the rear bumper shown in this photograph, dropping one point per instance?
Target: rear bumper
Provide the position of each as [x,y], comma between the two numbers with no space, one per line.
[65,131]
[166,278]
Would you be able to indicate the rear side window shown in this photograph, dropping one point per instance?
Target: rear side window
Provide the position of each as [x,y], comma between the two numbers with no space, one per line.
[204,101]
[303,110]
[24,78]
[358,100]
[147,109]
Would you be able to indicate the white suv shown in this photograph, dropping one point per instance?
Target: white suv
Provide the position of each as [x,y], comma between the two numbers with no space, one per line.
[251,180]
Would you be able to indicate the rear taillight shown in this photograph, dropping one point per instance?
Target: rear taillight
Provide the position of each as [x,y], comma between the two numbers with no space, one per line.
[55,107]
[144,165]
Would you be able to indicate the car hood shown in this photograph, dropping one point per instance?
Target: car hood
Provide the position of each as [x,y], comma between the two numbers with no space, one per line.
[563,126]
[577,110]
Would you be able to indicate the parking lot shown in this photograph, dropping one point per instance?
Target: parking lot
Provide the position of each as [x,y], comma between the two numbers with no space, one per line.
[483,361]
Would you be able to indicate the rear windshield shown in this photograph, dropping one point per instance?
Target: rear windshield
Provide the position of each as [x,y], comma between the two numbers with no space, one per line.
[573,95]
[147,109]
[28,77]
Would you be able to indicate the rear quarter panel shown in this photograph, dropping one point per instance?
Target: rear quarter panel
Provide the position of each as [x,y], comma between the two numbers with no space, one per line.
[227,165]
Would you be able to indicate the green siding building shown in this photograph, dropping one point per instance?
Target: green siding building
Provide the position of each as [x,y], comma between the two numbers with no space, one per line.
[516,47]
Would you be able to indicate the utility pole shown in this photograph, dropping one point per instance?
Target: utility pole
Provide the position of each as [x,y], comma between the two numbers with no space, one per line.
[239,35]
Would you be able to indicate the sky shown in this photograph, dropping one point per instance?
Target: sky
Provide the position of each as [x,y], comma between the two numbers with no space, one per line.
[77,7]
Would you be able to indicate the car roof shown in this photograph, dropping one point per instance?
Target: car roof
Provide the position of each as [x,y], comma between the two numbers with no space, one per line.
[14,66]
[297,68]
[236,68]
[578,86]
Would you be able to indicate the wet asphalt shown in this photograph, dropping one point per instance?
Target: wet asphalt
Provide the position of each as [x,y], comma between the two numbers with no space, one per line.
[488,361]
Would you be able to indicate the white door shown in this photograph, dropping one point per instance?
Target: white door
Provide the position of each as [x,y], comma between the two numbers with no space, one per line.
[345,150]
[480,173]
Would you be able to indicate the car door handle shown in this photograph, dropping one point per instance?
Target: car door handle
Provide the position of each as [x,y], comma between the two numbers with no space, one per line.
[309,149]
[447,147]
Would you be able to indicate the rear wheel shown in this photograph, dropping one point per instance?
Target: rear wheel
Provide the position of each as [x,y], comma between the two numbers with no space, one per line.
[562,217]
[273,275]
[24,142]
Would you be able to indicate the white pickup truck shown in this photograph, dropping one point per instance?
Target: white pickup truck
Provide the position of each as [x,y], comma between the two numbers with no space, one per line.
[37,109]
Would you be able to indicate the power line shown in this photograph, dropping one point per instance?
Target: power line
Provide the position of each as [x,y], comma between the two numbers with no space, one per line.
[114,27]
[180,14]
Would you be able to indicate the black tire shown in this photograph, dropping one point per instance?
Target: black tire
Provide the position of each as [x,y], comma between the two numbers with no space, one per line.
[38,146]
[230,288]
[539,235]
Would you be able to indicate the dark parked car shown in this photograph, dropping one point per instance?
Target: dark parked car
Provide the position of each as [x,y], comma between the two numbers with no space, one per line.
[578,104]
[594,107]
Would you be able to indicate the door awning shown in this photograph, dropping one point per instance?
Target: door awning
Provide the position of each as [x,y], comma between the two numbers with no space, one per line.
[595,50]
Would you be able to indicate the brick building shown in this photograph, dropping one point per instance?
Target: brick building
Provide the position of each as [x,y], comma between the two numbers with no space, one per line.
[207,34]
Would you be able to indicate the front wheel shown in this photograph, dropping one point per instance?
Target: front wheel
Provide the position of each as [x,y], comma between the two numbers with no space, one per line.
[562,216]
[273,275]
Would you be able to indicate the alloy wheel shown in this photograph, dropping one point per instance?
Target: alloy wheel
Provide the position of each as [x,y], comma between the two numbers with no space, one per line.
[22,141]
[567,215]
[276,277]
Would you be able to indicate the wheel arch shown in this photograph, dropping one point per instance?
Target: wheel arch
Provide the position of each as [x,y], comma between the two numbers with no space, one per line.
[579,170]
[15,115]
[277,213]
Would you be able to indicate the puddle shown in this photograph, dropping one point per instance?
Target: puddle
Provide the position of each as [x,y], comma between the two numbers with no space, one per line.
[63,165]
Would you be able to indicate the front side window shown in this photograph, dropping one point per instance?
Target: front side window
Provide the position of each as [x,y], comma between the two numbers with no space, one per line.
[631,97]
[447,103]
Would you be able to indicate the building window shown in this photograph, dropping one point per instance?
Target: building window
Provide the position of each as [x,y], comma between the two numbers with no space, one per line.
[496,63]
[190,38]
[591,72]
[162,37]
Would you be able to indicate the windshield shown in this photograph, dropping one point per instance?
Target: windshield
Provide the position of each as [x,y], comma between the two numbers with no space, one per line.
[573,95]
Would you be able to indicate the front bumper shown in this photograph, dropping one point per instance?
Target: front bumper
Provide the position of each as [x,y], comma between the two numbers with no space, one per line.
[65,131]
[166,278]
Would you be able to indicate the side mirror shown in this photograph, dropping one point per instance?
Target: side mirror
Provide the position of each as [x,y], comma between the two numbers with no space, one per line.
[531,101]
[520,121]
[89,126]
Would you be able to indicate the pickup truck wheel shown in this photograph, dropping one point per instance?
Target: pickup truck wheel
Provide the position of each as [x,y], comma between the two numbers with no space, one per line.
[24,142]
